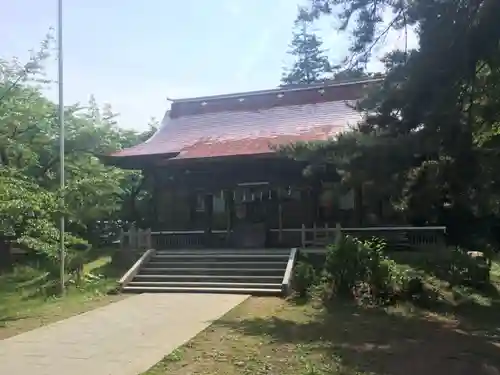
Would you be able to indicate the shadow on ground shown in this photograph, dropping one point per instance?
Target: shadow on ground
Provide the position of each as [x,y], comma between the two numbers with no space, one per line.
[5,318]
[32,281]
[381,342]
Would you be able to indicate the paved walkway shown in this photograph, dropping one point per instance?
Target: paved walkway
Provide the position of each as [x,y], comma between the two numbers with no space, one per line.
[124,338]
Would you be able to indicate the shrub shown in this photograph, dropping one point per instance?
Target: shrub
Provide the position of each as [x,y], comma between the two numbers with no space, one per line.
[343,266]
[304,278]
[469,268]
[414,288]
[360,269]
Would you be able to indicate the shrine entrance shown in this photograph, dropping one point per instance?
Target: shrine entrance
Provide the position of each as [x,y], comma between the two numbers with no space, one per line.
[250,203]
[254,205]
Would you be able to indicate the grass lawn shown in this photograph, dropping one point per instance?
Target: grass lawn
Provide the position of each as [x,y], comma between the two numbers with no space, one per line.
[26,303]
[457,334]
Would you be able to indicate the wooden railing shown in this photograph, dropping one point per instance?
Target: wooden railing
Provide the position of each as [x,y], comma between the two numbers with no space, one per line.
[136,239]
[314,237]
[188,239]
[145,239]
[414,237]
[178,239]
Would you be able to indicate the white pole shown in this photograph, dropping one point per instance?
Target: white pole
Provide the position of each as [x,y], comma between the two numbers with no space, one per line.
[61,136]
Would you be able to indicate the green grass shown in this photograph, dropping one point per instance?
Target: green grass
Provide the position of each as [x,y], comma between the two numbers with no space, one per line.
[456,333]
[97,264]
[29,298]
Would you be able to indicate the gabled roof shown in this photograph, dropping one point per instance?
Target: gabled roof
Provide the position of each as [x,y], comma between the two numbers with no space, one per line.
[251,123]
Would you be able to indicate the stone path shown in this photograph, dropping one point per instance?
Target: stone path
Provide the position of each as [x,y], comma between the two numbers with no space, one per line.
[124,338]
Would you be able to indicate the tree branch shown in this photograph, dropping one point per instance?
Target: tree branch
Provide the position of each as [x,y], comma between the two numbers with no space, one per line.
[355,59]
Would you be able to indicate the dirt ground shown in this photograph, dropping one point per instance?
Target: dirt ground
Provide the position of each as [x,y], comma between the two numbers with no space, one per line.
[273,336]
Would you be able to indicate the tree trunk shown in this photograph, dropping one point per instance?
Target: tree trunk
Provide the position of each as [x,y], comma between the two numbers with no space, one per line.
[6,260]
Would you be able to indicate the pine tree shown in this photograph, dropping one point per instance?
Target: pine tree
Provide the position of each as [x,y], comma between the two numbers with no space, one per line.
[311,64]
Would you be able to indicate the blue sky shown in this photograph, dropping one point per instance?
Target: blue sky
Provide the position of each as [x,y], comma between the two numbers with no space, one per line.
[134,54]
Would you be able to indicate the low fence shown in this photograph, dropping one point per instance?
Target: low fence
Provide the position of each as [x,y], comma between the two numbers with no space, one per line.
[136,239]
[314,237]
[397,237]
[189,239]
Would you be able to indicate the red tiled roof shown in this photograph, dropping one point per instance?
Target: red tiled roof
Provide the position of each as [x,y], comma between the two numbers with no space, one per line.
[248,125]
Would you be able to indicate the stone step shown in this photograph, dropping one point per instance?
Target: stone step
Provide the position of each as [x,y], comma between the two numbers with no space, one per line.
[213,271]
[210,278]
[221,257]
[170,289]
[224,251]
[213,285]
[172,264]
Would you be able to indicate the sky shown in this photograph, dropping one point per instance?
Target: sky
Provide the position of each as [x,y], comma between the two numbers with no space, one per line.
[135,54]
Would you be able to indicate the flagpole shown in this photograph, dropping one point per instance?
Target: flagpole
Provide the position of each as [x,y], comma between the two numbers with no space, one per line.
[60,78]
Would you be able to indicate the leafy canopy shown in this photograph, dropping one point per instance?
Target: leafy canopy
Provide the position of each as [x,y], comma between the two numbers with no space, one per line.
[429,139]
[30,195]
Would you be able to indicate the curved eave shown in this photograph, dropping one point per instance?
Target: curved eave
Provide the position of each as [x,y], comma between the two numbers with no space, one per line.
[164,160]
[135,161]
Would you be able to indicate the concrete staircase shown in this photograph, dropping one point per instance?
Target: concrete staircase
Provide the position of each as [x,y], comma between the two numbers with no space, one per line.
[212,271]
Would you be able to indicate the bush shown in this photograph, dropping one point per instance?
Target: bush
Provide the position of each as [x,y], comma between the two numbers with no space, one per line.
[360,269]
[304,278]
[469,268]
[343,265]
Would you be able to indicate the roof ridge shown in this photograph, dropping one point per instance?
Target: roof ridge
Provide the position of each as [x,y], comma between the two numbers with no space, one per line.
[267,109]
[277,90]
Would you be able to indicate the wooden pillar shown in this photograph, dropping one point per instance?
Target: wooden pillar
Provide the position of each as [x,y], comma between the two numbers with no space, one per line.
[156,201]
[280,217]
[140,238]
[132,237]
[122,239]
[315,209]
[209,209]
[192,200]
[306,202]
[148,242]
[229,202]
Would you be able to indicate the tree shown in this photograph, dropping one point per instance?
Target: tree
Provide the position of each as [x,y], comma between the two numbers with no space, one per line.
[29,164]
[436,113]
[311,64]
[342,75]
